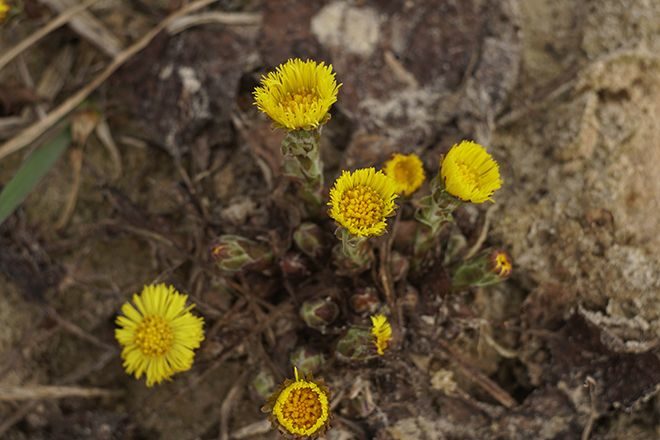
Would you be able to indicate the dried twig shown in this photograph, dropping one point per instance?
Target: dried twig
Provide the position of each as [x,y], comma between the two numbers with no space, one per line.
[479,378]
[89,27]
[230,401]
[39,392]
[482,234]
[43,31]
[260,427]
[216,17]
[32,133]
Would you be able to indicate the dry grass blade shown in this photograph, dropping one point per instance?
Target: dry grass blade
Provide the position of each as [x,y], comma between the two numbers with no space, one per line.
[54,77]
[105,136]
[256,428]
[89,27]
[42,32]
[31,133]
[75,159]
[39,392]
[224,18]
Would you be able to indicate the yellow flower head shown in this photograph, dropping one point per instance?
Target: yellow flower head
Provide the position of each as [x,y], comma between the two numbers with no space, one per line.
[501,263]
[300,407]
[4,10]
[406,171]
[298,95]
[361,201]
[382,332]
[470,173]
[158,334]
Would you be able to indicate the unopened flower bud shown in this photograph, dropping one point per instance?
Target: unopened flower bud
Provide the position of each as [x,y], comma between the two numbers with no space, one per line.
[488,267]
[309,239]
[356,345]
[263,384]
[319,313]
[233,253]
[365,300]
[293,265]
[307,360]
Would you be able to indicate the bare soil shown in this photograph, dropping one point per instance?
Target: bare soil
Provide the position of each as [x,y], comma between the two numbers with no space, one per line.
[566,95]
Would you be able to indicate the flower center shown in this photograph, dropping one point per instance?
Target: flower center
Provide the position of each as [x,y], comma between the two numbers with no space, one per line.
[403,172]
[153,336]
[301,99]
[470,174]
[502,265]
[302,408]
[361,206]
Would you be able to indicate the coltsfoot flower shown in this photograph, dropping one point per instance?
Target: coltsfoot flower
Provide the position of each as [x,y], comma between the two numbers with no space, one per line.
[158,334]
[4,10]
[300,407]
[407,171]
[298,95]
[501,263]
[484,269]
[470,173]
[361,201]
[382,333]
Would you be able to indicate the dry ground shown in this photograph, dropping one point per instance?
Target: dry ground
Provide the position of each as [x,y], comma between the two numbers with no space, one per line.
[565,93]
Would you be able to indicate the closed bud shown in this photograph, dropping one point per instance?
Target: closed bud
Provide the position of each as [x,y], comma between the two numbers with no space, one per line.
[308,237]
[233,253]
[365,300]
[486,268]
[319,313]
[293,265]
[263,384]
[307,360]
[357,345]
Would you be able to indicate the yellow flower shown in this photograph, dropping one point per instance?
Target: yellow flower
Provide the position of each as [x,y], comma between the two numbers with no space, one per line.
[501,263]
[382,332]
[159,334]
[300,407]
[4,10]
[361,201]
[406,171]
[298,95]
[470,173]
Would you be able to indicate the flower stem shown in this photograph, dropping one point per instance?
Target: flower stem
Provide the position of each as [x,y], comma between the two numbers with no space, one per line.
[354,254]
[435,210]
[302,163]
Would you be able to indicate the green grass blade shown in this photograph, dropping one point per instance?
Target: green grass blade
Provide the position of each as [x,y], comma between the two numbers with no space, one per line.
[30,173]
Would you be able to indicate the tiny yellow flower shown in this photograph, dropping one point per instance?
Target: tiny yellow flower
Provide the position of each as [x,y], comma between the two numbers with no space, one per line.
[298,95]
[382,332]
[361,201]
[501,263]
[4,10]
[158,334]
[407,171]
[300,407]
[470,173]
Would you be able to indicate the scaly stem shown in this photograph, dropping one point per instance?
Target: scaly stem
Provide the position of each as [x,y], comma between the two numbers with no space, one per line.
[302,163]
[434,212]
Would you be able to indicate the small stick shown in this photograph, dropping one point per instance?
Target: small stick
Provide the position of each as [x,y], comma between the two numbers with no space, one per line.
[39,392]
[42,32]
[479,378]
[32,133]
